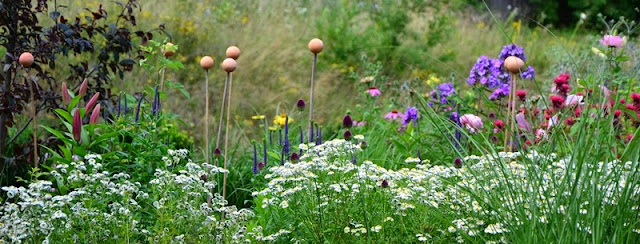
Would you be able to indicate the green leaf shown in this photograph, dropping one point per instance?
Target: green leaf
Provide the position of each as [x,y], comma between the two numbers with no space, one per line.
[179,87]
[64,114]
[57,134]
[73,103]
[65,151]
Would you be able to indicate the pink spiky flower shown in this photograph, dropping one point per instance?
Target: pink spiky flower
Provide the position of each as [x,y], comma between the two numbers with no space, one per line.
[612,41]
[374,92]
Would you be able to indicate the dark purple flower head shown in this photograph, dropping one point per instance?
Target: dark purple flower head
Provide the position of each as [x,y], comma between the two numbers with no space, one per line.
[347,122]
[384,184]
[217,152]
[457,163]
[300,105]
[347,135]
[294,158]
[410,115]
[512,50]
[363,145]
[261,165]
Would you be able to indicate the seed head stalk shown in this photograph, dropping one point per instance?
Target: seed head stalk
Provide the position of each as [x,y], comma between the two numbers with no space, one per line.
[313,74]
[224,98]
[206,116]
[226,138]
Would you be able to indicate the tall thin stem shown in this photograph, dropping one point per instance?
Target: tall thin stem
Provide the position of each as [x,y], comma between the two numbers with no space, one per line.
[226,139]
[34,114]
[206,116]
[313,74]
[224,97]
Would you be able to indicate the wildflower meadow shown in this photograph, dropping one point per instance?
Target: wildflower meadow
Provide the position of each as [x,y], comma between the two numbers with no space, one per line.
[386,121]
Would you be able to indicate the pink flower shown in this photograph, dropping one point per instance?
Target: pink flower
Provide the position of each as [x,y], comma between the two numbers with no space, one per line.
[541,134]
[471,122]
[359,123]
[612,41]
[374,91]
[393,115]
[573,100]
[522,122]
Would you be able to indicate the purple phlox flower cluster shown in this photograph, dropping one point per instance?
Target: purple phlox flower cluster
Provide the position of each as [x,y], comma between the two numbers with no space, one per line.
[487,72]
[528,74]
[410,115]
[500,92]
[442,92]
[512,50]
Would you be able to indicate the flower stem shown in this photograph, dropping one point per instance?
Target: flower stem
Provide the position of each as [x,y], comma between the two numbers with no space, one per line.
[313,74]
[224,97]
[206,117]
[226,139]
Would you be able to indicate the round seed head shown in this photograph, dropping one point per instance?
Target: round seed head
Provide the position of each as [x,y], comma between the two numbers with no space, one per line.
[316,45]
[233,52]
[26,59]
[229,65]
[206,62]
[514,64]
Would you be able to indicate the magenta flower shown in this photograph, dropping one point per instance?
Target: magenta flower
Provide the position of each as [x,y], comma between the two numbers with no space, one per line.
[374,92]
[393,115]
[471,122]
[612,41]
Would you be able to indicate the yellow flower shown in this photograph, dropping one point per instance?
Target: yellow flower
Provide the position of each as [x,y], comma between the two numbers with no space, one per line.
[433,80]
[245,19]
[280,119]
[257,117]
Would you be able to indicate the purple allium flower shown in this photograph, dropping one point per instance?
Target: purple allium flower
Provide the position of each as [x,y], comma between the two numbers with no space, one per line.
[374,92]
[410,115]
[457,163]
[384,184]
[363,145]
[500,92]
[217,152]
[512,50]
[347,135]
[612,41]
[347,122]
[528,74]
[294,158]
[261,165]
[300,105]
[255,159]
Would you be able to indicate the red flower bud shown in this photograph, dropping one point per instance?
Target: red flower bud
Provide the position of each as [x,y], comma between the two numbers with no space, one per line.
[498,123]
[66,98]
[76,126]
[95,114]
[92,102]
[83,87]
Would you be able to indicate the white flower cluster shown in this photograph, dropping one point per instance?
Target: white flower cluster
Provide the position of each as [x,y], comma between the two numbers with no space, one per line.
[489,196]
[85,203]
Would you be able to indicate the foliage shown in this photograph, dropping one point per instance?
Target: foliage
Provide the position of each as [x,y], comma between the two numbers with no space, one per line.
[110,39]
